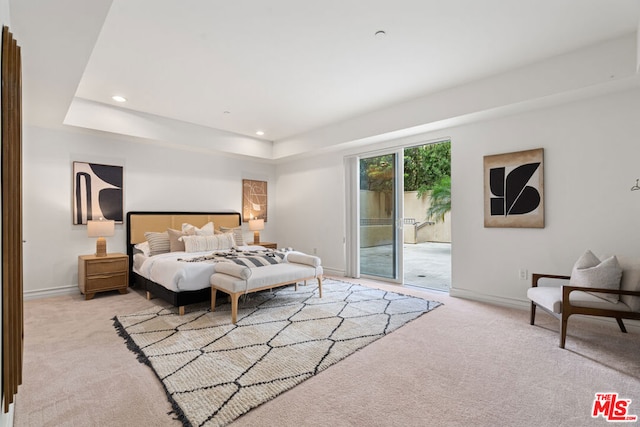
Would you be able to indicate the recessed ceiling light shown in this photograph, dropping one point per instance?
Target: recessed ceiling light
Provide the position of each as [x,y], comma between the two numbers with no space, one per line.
[380,33]
[259,133]
[119,98]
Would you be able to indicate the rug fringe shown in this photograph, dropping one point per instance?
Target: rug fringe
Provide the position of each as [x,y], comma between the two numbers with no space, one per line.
[134,348]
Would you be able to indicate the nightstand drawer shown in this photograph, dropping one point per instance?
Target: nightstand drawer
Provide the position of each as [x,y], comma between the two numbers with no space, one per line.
[107,282]
[107,266]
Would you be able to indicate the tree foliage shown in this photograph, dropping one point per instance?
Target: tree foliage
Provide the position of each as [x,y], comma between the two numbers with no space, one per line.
[376,173]
[440,199]
[425,166]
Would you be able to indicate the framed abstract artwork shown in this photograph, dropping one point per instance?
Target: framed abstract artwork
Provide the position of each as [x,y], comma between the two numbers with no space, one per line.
[254,200]
[514,189]
[97,192]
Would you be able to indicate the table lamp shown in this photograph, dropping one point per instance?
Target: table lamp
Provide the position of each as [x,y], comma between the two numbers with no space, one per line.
[101,229]
[256,225]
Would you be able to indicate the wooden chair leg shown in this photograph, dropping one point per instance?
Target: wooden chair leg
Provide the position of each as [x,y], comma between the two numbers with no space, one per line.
[533,312]
[320,286]
[181,310]
[563,329]
[622,328]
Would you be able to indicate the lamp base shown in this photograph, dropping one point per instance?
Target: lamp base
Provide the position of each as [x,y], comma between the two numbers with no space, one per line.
[101,247]
[256,237]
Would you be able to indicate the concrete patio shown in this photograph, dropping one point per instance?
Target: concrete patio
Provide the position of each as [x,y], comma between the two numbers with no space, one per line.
[426,265]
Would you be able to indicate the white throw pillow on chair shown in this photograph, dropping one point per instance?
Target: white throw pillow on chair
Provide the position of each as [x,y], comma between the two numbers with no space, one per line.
[590,272]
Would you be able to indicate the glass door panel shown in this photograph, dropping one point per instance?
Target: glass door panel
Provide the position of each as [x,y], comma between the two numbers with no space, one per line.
[378,216]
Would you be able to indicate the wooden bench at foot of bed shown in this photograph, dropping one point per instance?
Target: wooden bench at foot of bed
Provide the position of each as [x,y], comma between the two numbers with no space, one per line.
[236,280]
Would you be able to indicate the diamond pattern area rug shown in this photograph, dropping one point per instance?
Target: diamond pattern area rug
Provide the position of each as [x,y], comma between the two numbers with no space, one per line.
[214,371]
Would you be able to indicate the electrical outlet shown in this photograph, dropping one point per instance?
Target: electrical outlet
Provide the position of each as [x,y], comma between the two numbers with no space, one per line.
[523,274]
[315,251]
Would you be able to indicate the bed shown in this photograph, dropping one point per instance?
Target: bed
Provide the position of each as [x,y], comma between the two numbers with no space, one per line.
[199,288]
[185,257]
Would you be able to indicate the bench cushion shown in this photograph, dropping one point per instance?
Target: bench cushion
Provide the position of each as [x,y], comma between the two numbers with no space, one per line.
[263,276]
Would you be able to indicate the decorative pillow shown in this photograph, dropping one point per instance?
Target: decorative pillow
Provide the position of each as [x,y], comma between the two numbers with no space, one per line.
[233,269]
[175,244]
[208,243]
[302,258]
[237,234]
[158,242]
[590,272]
[143,248]
[206,230]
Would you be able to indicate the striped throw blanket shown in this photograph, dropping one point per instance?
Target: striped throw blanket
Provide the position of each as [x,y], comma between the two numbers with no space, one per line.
[250,259]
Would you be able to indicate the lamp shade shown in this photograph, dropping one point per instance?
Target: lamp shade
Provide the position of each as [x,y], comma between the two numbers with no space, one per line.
[256,224]
[102,228]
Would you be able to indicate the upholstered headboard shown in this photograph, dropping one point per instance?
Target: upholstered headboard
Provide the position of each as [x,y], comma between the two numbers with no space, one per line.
[139,222]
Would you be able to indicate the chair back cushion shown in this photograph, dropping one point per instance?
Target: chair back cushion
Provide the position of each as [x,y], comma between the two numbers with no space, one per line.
[630,281]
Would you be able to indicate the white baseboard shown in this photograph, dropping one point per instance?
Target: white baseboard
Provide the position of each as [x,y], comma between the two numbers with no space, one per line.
[328,271]
[50,292]
[491,299]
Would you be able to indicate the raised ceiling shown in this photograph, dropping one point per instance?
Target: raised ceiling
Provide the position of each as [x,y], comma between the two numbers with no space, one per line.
[287,67]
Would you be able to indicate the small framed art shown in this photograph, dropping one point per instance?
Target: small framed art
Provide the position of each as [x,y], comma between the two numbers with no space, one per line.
[254,200]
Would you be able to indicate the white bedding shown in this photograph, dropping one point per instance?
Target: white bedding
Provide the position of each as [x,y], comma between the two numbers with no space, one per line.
[166,270]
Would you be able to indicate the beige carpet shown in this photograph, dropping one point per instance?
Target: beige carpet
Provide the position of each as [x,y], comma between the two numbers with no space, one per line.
[466,363]
[215,371]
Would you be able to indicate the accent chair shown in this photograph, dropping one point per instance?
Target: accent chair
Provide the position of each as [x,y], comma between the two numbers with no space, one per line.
[560,297]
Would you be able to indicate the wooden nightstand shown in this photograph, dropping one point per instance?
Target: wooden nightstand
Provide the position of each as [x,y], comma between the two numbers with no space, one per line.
[107,273]
[268,245]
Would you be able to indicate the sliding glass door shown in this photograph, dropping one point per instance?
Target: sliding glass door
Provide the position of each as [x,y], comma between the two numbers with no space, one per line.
[380,212]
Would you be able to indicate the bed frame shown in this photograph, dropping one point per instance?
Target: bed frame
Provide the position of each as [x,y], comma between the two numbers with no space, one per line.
[138,222]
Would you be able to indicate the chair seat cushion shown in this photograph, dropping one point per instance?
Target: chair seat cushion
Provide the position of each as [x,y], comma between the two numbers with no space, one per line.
[550,297]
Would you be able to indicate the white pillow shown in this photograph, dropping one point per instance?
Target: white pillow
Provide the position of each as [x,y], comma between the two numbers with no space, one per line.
[143,247]
[208,243]
[590,272]
[233,269]
[206,230]
[302,258]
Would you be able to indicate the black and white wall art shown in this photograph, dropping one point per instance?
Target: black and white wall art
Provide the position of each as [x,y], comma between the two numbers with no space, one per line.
[514,189]
[97,192]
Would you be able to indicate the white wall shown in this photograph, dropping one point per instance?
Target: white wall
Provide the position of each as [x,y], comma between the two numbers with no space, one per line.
[591,161]
[155,178]
[310,208]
